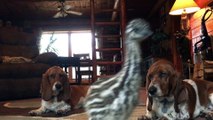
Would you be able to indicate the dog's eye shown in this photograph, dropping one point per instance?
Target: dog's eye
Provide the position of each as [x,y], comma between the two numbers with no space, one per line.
[52,76]
[61,75]
[150,77]
[162,74]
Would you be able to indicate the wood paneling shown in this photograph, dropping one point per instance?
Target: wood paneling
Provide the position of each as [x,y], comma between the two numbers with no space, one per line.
[195,22]
[203,3]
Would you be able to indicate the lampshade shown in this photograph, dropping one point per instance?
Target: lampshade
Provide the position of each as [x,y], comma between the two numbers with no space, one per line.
[183,6]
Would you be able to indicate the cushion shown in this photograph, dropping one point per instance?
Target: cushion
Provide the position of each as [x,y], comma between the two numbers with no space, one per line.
[22,70]
[8,59]
[47,58]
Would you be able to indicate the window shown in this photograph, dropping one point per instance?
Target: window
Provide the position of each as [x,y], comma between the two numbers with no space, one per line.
[66,43]
[59,42]
[54,42]
[81,42]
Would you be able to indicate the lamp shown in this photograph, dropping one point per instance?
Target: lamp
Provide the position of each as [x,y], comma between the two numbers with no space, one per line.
[184,7]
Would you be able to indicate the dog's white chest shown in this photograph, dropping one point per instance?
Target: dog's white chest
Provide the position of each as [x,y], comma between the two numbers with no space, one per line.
[164,108]
[54,106]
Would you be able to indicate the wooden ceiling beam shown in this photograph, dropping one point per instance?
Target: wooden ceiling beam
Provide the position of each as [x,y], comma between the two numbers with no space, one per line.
[157,6]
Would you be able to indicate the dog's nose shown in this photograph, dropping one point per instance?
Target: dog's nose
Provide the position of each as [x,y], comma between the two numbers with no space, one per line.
[58,86]
[152,90]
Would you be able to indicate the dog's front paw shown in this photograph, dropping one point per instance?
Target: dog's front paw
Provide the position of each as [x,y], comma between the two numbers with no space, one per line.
[35,112]
[62,112]
[209,116]
[163,118]
[38,112]
[144,117]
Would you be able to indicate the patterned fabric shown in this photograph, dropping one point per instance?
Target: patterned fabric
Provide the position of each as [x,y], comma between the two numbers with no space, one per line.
[7,59]
[116,97]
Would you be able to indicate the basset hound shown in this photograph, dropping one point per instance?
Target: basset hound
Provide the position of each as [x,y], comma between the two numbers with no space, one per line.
[172,98]
[55,93]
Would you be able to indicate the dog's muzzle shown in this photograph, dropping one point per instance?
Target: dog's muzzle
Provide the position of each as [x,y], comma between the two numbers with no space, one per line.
[57,86]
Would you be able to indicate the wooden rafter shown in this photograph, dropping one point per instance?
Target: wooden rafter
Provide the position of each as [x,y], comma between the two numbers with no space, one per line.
[156,7]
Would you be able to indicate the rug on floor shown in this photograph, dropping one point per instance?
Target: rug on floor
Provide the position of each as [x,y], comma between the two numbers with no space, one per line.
[22,107]
[26,103]
[18,110]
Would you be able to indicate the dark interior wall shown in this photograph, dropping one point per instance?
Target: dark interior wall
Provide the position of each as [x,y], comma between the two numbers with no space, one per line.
[54,24]
[62,24]
[158,20]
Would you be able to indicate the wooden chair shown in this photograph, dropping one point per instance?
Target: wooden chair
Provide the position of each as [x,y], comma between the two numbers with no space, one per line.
[208,70]
[85,66]
[203,70]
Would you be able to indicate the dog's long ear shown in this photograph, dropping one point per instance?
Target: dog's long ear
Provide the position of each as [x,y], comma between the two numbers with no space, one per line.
[65,95]
[179,91]
[149,103]
[174,83]
[46,89]
[181,96]
[149,99]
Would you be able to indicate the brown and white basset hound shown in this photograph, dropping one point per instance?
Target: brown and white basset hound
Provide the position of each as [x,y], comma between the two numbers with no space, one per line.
[55,92]
[172,98]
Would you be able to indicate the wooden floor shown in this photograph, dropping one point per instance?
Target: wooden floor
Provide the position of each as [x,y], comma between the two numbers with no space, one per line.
[140,110]
[78,91]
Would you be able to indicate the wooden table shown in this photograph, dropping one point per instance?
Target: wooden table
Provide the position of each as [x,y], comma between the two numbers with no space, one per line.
[66,62]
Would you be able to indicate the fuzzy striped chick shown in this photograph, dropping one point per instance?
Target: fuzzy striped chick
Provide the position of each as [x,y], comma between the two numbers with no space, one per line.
[116,97]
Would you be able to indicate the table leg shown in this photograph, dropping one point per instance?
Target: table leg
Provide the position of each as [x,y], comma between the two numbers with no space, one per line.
[79,76]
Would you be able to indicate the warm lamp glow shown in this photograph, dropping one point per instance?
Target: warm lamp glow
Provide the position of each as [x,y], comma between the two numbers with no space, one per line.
[183,7]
